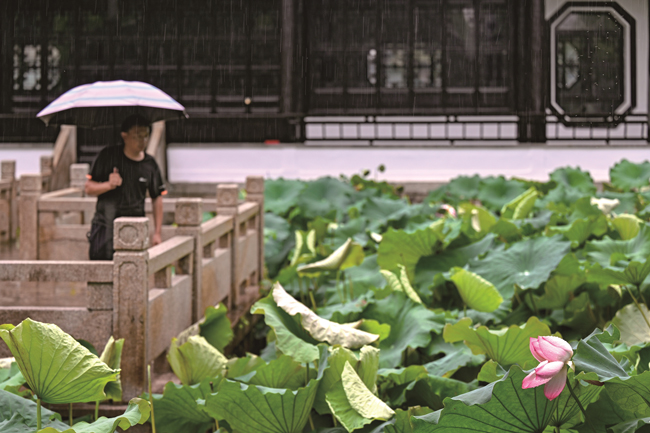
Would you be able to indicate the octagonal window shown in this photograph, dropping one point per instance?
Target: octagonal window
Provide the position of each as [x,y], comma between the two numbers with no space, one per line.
[591,59]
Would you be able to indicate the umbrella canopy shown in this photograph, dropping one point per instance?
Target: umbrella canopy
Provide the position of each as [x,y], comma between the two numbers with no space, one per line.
[102,103]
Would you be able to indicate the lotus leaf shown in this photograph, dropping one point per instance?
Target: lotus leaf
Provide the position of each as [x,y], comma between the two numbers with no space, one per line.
[398,247]
[18,415]
[502,406]
[251,408]
[637,248]
[112,356]
[366,364]
[632,325]
[353,404]
[347,255]
[627,175]
[57,368]
[216,327]
[521,205]
[627,226]
[177,410]
[410,323]
[477,293]
[280,195]
[319,328]
[527,264]
[494,192]
[136,413]
[506,346]
[401,283]
[195,360]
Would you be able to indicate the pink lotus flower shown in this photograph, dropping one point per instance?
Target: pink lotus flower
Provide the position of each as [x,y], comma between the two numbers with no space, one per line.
[554,354]
[450,210]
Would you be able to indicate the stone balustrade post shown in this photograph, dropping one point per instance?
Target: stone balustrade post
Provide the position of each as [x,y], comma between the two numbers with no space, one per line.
[227,202]
[8,172]
[47,162]
[78,176]
[30,192]
[255,193]
[188,216]
[131,300]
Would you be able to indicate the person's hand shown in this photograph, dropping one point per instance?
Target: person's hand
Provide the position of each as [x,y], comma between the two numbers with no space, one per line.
[156,239]
[114,179]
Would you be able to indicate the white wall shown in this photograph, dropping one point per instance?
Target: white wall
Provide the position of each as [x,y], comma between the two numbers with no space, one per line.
[26,155]
[434,164]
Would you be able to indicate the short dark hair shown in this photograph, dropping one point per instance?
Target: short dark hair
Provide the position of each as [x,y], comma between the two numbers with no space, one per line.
[135,120]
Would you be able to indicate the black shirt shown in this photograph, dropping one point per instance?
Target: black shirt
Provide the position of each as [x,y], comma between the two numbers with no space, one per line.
[137,178]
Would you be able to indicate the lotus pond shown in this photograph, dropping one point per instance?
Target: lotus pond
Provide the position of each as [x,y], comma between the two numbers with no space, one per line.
[450,315]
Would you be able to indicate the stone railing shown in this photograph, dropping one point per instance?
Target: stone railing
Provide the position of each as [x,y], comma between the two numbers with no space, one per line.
[8,202]
[145,295]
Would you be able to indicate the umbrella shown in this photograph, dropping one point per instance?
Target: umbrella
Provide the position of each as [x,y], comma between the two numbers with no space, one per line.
[99,104]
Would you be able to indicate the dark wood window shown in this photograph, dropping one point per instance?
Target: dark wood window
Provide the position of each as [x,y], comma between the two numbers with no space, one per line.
[212,56]
[589,64]
[410,56]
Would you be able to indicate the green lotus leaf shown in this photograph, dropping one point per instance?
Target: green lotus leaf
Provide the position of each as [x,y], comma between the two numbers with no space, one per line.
[634,273]
[253,408]
[278,242]
[504,406]
[637,248]
[458,356]
[632,325]
[112,356]
[627,175]
[381,211]
[410,323]
[398,247]
[401,283]
[216,327]
[176,409]
[477,293]
[428,267]
[336,261]
[18,415]
[280,195]
[627,226]
[557,292]
[630,426]
[321,329]
[242,366]
[352,403]
[506,230]
[136,413]
[581,229]
[506,346]
[11,379]
[521,205]
[290,335]
[527,264]
[366,364]
[56,367]
[495,192]
[574,178]
[325,196]
[282,372]
[305,249]
[195,360]
[482,220]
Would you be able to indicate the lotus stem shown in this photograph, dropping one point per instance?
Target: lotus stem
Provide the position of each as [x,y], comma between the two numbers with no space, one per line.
[38,414]
[532,301]
[351,289]
[70,415]
[311,423]
[302,293]
[638,306]
[153,419]
[340,291]
[582,409]
[216,423]
[641,294]
[96,410]
[307,374]
[313,301]
[334,419]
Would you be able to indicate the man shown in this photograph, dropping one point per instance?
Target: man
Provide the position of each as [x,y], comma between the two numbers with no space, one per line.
[120,178]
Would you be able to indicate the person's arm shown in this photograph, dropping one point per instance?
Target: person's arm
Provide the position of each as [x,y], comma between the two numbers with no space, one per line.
[157,204]
[98,188]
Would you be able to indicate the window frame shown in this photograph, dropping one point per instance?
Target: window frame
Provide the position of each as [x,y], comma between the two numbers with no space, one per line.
[628,23]
[381,100]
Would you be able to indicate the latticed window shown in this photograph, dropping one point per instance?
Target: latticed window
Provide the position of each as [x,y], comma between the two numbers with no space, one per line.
[414,56]
[212,56]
